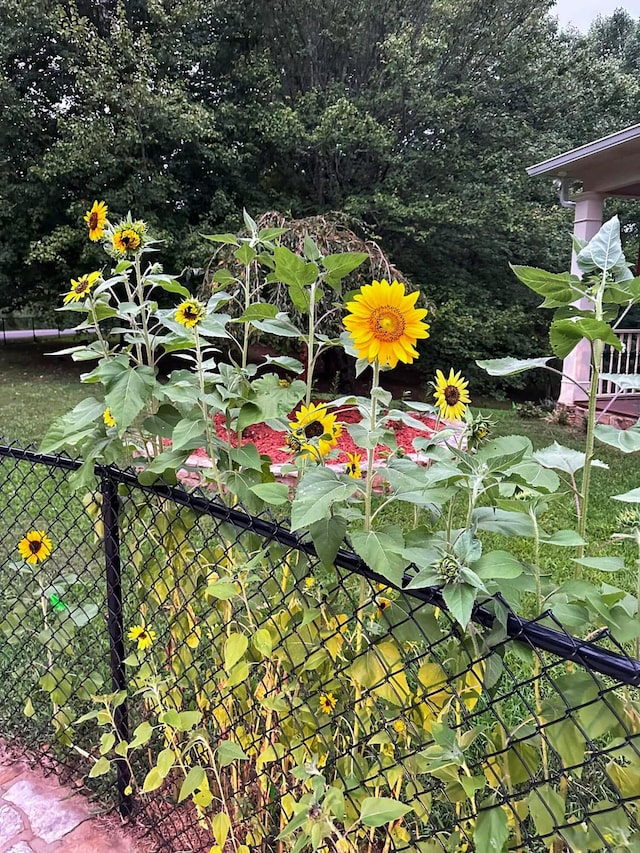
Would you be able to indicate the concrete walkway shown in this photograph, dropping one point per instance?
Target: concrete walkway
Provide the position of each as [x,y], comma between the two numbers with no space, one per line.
[38,815]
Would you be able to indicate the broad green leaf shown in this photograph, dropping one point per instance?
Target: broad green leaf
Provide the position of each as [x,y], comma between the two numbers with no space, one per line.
[274,494]
[511,366]
[340,265]
[152,780]
[128,393]
[564,458]
[221,238]
[503,521]
[141,735]
[194,778]
[381,670]
[602,564]
[280,325]
[296,273]
[565,335]
[460,598]
[557,288]
[491,831]
[568,741]
[626,440]
[222,590]
[604,249]
[382,552]
[220,826]
[70,429]
[234,649]
[102,766]
[166,760]
[262,642]
[188,431]
[624,381]
[327,535]
[250,223]
[497,564]
[563,539]
[270,400]
[169,284]
[318,490]
[376,811]
[228,751]
[245,254]
[546,808]
[632,497]
[258,311]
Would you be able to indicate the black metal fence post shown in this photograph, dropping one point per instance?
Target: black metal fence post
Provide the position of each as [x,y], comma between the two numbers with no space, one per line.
[115,626]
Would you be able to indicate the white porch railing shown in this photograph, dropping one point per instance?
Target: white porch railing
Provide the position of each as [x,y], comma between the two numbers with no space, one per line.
[627,361]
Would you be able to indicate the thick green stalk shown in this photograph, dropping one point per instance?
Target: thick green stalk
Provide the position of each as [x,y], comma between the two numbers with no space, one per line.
[247,303]
[310,339]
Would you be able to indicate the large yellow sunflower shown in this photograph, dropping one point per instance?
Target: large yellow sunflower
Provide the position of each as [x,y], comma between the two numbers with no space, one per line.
[384,324]
[96,219]
[314,422]
[35,547]
[81,287]
[190,313]
[451,395]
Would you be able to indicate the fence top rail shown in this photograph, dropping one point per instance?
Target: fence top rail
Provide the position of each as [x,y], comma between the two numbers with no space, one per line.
[530,631]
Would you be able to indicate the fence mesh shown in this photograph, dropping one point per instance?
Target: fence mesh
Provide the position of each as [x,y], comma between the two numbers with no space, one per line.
[313,694]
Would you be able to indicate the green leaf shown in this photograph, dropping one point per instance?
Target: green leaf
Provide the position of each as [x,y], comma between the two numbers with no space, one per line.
[262,642]
[318,490]
[497,564]
[340,265]
[188,431]
[557,288]
[234,649]
[565,335]
[259,311]
[327,535]
[503,521]
[222,590]
[245,254]
[141,735]
[169,284]
[491,831]
[194,778]
[604,249]
[70,429]
[563,458]
[632,497]
[626,440]
[102,766]
[228,751]
[221,238]
[602,564]
[152,780]
[272,493]
[563,539]
[296,273]
[128,392]
[382,552]
[460,598]
[280,325]
[376,811]
[511,366]
[270,400]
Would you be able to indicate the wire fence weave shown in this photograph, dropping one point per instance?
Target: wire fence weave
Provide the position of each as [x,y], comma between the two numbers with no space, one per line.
[272,671]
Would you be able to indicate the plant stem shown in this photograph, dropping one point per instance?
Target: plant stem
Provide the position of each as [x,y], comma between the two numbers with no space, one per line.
[247,303]
[310,340]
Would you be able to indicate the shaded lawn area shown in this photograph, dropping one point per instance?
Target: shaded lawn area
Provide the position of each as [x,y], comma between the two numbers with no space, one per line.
[35,388]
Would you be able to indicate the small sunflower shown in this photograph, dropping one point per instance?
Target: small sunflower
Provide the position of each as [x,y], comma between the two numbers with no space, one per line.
[107,417]
[327,702]
[35,547]
[125,240]
[384,324]
[399,726]
[96,219]
[190,313]
[353,465]
[143,636]
[381,605]
[81,287]
[314,422]
[309,582]
[451,395]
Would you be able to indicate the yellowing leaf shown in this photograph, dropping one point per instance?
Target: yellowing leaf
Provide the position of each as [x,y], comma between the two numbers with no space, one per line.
[381,670]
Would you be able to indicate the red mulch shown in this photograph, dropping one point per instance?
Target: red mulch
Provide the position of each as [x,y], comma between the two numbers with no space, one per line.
[271,442]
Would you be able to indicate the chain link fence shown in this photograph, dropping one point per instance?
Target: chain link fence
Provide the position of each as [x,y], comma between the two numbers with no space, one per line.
[266,700]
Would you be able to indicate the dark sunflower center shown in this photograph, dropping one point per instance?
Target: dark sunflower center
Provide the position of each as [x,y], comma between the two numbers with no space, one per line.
[314,429]
[387,323]
[93,220]
[82,285]
[35,545]
[190,314]
[127,240]
[452,395]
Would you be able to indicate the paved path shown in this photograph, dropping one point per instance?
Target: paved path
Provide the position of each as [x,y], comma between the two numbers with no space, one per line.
[38,815]
[34,334]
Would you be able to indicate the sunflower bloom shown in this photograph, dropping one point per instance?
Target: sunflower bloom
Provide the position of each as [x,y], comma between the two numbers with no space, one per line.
[143,636]
[314,422]
[381,605]
[107,417]
[353,465]
[190,313]
[384,324]
[451,395]
[35,547]
[125,239]
[81,287]
[96,219]
[327,702]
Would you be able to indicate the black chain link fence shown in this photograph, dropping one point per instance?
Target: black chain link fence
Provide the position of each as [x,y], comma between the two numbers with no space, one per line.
[305,693]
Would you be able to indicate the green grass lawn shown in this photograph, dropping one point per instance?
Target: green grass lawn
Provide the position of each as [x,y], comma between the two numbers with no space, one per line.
[35,388]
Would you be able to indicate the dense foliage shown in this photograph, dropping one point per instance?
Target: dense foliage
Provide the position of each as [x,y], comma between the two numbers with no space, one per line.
[417,118]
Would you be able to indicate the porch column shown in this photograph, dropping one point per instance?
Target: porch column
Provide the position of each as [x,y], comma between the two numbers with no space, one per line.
[577,365]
